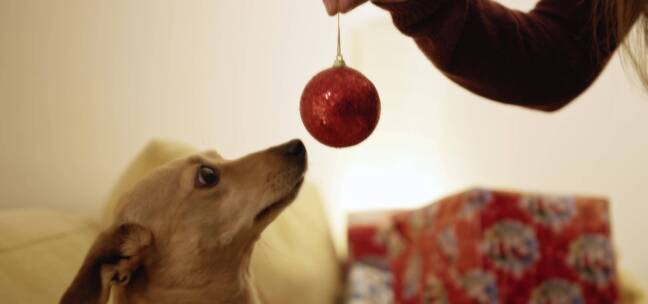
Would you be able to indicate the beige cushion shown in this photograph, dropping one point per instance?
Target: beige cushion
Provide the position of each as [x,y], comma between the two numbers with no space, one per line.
[40,251]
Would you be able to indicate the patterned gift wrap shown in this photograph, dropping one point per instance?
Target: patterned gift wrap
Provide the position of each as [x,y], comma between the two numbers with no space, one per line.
[484,246]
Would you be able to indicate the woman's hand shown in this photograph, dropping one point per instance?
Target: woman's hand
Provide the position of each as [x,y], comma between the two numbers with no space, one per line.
[341,6]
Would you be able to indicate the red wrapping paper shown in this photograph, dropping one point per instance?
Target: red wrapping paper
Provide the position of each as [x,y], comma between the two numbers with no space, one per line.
[484,246]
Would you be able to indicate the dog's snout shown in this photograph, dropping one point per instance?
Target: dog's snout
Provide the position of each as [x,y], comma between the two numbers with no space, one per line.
[294,148]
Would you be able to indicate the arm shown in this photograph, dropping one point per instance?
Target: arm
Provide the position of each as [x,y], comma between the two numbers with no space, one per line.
[541,60]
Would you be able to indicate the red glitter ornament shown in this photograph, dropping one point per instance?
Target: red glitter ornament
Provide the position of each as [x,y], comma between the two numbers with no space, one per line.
[340,107]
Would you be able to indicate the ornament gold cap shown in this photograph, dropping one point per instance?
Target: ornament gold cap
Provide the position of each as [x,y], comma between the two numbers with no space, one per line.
[339,62]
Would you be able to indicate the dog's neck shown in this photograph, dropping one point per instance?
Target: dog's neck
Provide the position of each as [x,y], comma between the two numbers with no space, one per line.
[226,280]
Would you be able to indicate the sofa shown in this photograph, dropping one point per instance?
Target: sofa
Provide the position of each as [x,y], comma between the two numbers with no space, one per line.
[41,249]
[294,262]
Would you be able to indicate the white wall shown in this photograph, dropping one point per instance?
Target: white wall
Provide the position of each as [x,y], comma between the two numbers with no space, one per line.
[84,84]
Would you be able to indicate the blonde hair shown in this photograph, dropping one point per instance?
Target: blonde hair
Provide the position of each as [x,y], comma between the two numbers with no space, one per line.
[625,22]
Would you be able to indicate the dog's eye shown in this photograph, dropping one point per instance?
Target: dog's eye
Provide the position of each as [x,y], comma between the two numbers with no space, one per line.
[207,177]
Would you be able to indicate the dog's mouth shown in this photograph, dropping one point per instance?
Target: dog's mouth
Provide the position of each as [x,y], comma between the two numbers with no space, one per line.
[276,207]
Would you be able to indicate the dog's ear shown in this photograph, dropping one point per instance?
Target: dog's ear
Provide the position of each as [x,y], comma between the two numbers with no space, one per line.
[113,257]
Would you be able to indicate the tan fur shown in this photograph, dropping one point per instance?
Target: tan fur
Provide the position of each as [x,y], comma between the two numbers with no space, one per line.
[174,242]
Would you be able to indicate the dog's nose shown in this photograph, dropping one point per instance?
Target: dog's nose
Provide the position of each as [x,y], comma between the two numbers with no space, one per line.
[294,148]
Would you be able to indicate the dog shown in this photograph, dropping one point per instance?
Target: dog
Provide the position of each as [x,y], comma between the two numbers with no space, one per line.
[185,233]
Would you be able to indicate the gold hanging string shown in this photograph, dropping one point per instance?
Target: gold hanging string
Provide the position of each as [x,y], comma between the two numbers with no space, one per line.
[339,60]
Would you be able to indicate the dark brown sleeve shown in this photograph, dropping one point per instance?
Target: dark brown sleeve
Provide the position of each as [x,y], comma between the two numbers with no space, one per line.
[542,59]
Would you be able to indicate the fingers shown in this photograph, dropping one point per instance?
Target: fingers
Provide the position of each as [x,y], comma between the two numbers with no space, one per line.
[341,6]
[331,7]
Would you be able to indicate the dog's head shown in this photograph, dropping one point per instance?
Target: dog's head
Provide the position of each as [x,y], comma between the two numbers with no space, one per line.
[190,219]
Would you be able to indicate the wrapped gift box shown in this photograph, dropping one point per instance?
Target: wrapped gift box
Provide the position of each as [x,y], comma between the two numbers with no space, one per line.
[484,246]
